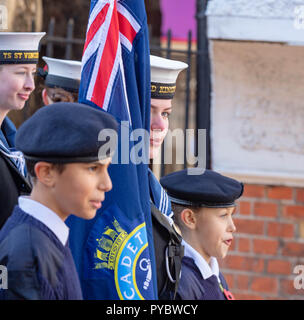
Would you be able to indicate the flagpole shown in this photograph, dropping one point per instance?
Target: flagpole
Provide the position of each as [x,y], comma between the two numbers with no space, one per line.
[203,91]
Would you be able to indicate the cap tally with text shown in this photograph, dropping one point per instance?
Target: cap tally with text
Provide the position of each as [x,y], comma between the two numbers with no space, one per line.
[164,73]
[210,189]
[19,47]
[64,74]
[66,132]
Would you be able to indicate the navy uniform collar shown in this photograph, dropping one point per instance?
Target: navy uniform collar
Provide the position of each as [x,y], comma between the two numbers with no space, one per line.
[206,270]
[8,133]
[46,216]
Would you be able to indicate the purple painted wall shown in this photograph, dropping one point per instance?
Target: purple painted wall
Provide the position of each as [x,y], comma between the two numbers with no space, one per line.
[179,16]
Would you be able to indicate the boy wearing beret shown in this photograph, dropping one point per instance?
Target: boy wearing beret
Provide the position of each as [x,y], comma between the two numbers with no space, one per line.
[69,175]
[203,207]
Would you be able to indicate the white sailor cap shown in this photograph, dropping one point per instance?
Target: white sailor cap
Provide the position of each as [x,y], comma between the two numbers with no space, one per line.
[19,47]
[64,74]
[164,73]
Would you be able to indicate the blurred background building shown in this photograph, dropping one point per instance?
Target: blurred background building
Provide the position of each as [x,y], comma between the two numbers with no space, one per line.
[257,136]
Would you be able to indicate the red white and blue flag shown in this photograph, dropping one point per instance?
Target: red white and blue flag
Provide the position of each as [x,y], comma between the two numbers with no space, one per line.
[114,252]
[110,25]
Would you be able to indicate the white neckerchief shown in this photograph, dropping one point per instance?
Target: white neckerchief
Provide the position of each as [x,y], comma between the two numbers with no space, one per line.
[46,216]
[207,270]
[16,156]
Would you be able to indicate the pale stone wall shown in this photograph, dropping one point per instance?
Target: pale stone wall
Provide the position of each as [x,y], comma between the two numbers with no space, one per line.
[259,20]
[21,13]
[258,111]
[257,90]
[283,9]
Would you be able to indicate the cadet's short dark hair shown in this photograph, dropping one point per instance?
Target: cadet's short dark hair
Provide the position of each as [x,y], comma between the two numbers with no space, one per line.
[30,167]
[177,210]
[61,95]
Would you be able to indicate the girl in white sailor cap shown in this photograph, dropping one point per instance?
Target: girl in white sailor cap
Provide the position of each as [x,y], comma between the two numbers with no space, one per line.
[18,59]
[164,73]
[61,80]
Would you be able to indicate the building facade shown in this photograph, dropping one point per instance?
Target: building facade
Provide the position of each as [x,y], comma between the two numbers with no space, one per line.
[257,136]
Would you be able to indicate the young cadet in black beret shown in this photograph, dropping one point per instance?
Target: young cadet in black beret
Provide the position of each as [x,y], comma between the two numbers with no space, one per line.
[18,58]
[70,176]
[203,206]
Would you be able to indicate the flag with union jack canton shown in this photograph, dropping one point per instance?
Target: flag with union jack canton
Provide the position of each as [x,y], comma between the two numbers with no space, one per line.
[114,252]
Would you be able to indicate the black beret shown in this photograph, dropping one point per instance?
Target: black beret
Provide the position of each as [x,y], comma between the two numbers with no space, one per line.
[64,132]
[210,189]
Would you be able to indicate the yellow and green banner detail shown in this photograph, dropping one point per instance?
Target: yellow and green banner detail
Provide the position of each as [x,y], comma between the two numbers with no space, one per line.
[112,252]
[162,90]
[20,56]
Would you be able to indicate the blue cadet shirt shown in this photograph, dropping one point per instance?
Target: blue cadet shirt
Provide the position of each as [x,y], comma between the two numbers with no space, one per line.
[198,280]
[39,266]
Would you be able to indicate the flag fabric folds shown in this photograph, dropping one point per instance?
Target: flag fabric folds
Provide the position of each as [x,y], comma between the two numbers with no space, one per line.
[114,252]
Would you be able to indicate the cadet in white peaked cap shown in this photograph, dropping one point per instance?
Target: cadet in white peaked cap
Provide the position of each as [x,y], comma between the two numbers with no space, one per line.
[164,73]
[61,80]
[18,58]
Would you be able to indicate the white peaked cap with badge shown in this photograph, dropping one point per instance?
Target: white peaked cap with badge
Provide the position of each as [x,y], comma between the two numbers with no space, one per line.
[63,68]
[19,47]
[164,73]
[20,40]
[65,74]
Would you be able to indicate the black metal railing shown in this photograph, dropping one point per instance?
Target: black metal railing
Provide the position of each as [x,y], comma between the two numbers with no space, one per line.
[68,42]
[198,71]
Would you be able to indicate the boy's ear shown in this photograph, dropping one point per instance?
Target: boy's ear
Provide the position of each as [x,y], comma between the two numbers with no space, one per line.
[45,173]
[188,218]
[45,98]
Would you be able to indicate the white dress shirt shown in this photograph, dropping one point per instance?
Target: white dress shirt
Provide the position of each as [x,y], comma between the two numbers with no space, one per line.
[207,270]
[46,216]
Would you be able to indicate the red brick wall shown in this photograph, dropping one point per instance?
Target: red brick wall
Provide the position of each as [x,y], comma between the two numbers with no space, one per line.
[268,244]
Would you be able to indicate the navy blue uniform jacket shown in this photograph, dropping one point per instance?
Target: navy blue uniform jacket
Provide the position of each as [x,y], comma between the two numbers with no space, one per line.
[192,285]
[39,266]
[13,184]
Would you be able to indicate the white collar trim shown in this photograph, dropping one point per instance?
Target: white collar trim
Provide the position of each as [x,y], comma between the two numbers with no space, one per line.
[46,216]
[207,270]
